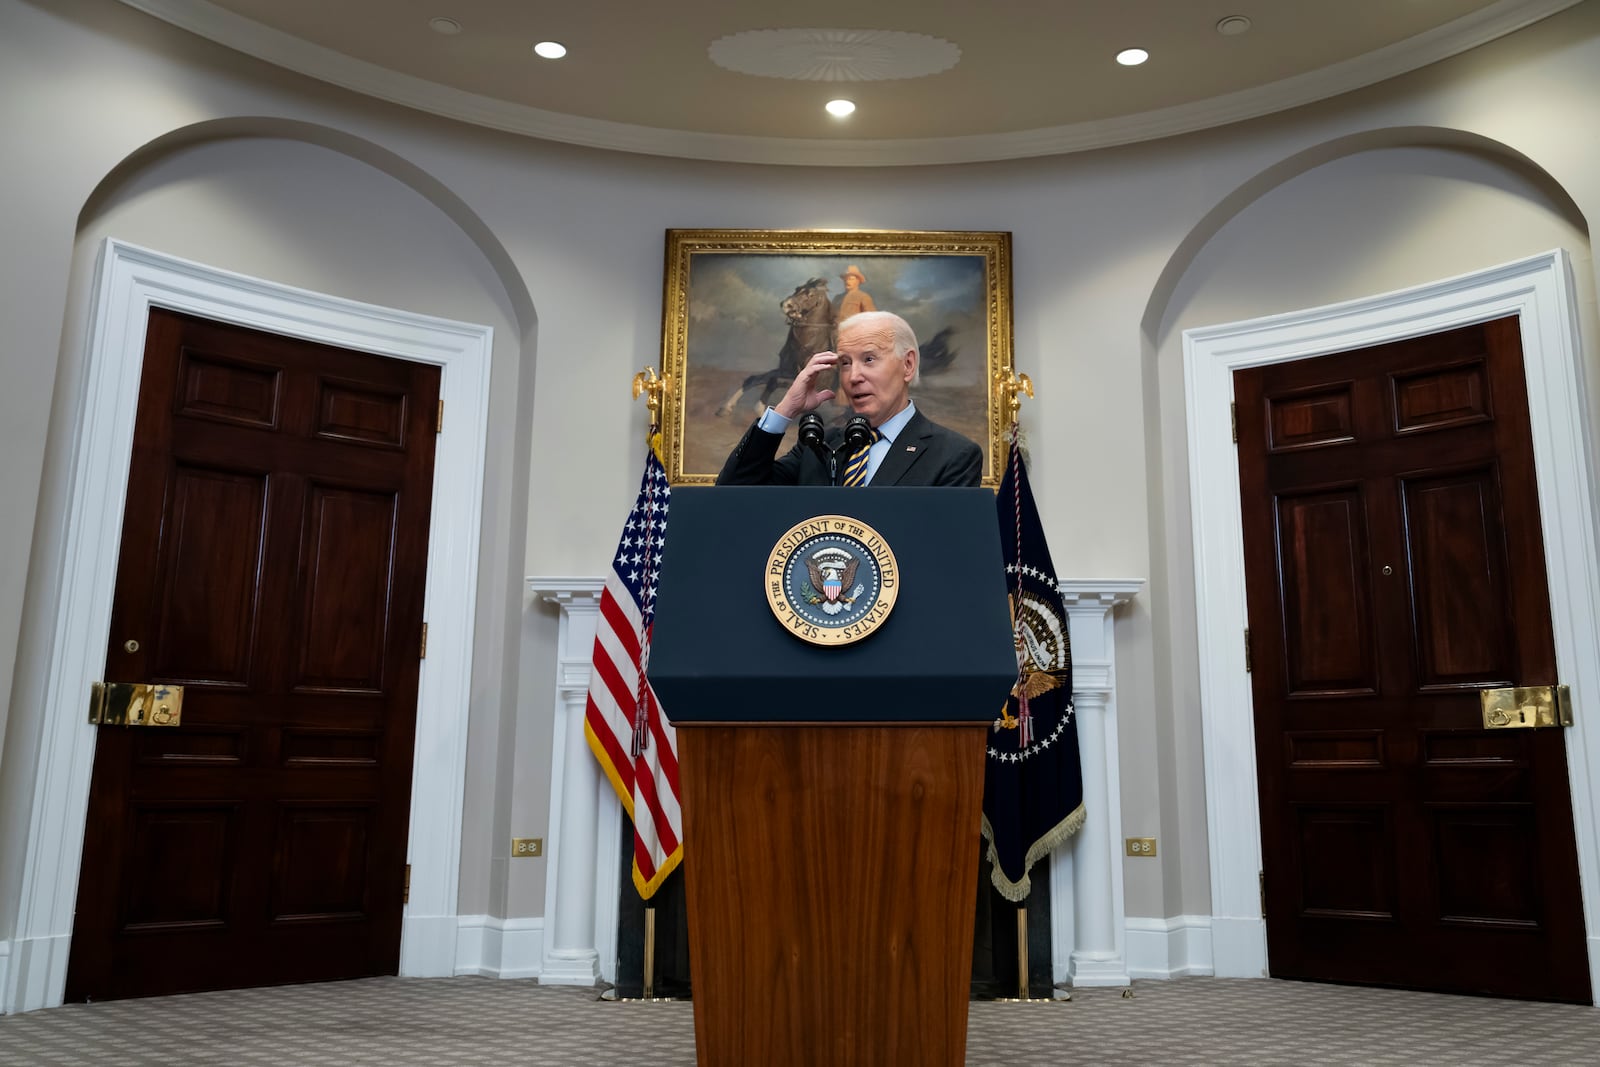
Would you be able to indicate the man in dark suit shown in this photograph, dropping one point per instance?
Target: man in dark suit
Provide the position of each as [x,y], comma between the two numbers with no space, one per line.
[877,361]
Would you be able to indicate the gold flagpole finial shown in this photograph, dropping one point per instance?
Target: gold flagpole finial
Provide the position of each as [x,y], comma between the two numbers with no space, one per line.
[657,387]
[1013,387]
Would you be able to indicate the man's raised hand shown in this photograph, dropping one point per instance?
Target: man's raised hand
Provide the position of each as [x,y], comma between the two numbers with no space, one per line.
[801,397]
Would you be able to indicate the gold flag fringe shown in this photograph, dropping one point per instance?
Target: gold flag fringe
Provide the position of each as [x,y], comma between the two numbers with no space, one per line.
[1017,892]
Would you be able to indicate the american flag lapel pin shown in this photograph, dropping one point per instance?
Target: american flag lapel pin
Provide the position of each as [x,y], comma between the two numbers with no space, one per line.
[911,448]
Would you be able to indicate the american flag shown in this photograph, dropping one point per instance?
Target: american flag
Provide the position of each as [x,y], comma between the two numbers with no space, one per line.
[633,741]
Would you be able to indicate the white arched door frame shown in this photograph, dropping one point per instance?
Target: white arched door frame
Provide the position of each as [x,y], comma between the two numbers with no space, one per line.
[1539,291]
[129,282]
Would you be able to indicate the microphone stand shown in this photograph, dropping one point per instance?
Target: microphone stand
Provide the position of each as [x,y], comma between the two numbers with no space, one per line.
[857,435]
[812,436]
[858,432]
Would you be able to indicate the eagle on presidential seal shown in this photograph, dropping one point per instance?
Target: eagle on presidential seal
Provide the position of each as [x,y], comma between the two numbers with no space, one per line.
[833,570]
[1044,660]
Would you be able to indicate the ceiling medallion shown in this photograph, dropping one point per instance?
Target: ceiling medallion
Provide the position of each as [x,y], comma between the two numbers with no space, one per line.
[834,55]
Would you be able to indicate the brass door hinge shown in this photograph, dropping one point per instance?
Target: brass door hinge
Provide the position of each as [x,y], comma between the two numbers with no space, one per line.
[1247,650]
[438,426]
[1261,877]
[423,652]
[405,895]
[1233,419]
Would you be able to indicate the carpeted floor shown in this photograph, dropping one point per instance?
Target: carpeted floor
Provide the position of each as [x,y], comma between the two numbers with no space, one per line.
[413,1021]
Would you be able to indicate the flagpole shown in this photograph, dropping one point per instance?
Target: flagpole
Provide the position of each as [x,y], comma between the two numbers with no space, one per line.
[654,388]
[1012,387]
[649,952]
[1022,952]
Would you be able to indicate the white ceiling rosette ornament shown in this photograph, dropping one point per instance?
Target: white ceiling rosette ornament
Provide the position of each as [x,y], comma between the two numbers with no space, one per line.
[834,55]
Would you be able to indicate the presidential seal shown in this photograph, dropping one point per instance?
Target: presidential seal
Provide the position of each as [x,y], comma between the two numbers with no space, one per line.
[832,580]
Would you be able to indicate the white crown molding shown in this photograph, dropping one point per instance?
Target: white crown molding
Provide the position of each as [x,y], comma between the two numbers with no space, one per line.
[292,53]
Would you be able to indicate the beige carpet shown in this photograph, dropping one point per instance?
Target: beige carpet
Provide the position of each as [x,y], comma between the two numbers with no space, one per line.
[406,1021]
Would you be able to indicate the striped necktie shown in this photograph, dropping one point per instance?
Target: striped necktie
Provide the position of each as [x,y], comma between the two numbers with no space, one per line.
[855,471]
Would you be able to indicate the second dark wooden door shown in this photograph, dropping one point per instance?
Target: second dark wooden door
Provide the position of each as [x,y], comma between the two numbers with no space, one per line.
[273,562]
[1395,567]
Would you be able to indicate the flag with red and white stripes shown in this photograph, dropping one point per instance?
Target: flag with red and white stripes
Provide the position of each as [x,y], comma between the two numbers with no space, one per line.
[633,741]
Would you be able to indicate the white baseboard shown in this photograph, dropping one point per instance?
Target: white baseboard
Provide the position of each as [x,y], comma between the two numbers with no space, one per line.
[1239,947]
[428,946]
[500,948]
[1169,948]
[33,972]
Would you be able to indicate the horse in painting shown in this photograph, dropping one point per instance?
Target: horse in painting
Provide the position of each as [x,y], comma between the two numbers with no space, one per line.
[809,313]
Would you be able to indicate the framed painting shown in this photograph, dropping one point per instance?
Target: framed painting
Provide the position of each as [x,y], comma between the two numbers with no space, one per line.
[744,309]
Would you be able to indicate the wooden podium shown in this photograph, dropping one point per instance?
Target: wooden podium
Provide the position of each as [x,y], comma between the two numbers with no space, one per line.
[832,796]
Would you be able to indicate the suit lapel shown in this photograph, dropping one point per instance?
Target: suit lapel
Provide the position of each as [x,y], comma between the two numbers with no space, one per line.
[910,446]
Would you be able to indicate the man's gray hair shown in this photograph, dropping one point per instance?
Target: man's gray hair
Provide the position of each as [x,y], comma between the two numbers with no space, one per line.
[900,332]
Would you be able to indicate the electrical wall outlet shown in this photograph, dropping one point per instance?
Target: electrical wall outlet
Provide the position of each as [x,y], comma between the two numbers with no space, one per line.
[527,846]
[1141,846]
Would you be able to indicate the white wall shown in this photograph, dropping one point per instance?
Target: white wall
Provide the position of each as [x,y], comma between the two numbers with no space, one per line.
[316,187]
[1376,221]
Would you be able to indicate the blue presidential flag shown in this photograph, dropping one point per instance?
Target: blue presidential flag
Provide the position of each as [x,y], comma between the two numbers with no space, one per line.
[1033,783]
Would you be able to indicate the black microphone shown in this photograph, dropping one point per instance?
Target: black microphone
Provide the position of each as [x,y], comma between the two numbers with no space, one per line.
[811,431]
[811,435]
[857,434]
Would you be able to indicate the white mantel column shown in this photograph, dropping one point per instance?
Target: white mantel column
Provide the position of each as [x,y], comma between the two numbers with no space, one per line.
[585,817]
[1087,909]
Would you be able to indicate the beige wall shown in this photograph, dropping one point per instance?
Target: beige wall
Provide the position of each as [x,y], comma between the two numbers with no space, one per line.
[1376,221]
[1470,162]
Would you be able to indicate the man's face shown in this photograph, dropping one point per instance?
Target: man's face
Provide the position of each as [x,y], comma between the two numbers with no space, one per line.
[874,379]
[851,281]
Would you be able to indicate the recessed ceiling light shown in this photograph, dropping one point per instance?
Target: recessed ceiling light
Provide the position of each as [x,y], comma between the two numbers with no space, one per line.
[1132,57]
[549,50]
[448,27]
[839,108]
[1233,26]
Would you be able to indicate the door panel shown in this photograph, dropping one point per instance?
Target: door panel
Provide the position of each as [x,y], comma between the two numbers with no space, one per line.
[1326,608]
[1394,567]
[1458,596]
[321,862]
[187,858]
[208,586]
[344,609]
[273,560]
[1347,860]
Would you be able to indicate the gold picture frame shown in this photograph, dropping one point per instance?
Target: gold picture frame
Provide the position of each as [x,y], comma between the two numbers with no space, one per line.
[725,328]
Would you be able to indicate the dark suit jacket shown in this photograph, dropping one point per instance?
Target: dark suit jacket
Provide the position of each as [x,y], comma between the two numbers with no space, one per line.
[924,453]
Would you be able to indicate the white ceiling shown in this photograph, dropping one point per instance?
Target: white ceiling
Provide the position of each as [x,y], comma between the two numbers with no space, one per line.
[935,81]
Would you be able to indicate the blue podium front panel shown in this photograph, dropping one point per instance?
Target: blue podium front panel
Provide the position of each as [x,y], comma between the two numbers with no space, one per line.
[942,654]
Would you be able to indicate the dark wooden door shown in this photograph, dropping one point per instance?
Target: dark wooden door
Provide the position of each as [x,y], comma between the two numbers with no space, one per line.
[273,559]
[1395,567]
